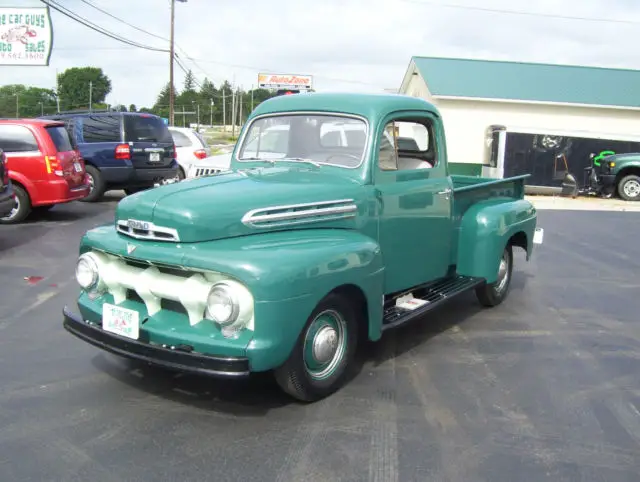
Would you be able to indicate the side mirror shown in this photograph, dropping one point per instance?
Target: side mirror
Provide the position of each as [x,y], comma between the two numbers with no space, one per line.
[592,155]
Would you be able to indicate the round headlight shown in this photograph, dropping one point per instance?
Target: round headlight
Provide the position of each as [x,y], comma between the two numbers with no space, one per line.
[222,306]
[87,272]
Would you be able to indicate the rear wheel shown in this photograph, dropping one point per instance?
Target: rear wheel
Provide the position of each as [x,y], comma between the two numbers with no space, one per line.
[492,294]
[96,185]
[22,207]
[318,363]
[181,174]
[629,188]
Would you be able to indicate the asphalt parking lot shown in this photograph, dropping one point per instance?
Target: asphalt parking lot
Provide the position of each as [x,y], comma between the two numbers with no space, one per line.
[543,387]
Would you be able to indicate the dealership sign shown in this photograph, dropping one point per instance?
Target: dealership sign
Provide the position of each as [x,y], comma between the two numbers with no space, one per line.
[285,81]
[26,36]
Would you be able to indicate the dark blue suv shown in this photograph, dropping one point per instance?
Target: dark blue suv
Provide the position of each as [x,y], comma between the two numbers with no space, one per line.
[122,150]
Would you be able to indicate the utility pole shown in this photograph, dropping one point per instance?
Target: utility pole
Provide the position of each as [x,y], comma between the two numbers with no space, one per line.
[224,112]
[211,113]
[57,92]
[171,58]
[233,113]
[198,119]
[17,104]
[251,97]
[90,95]
[240,115]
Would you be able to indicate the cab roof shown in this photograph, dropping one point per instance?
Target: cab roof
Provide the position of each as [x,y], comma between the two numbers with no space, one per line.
[371,106]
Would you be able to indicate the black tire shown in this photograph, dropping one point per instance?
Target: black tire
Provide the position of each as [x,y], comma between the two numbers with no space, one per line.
[295,376]
[181,174]
[492,294]
[629,188]
[97,185]
[23,206]
[132,190]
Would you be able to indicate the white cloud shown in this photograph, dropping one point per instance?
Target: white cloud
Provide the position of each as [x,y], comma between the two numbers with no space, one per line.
[366,43]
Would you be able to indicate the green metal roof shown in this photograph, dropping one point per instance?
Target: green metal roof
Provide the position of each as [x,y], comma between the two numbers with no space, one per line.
[530,81]
[370,106]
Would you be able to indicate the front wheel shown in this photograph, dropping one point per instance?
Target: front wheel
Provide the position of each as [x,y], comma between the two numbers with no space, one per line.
[629,188]
[318,363]
[492,294]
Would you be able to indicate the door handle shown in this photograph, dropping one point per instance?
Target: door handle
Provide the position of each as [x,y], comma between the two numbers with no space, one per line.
[446,191]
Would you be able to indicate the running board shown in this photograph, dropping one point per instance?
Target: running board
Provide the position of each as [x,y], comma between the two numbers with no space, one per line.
[430,297]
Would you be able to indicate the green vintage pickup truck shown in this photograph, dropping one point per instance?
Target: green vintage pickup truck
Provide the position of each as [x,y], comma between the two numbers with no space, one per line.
[337,221]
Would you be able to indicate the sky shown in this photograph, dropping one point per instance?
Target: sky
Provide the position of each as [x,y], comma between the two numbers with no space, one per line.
[347,45]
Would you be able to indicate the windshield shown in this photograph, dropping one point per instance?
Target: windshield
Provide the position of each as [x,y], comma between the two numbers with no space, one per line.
[145,128]
[323,139]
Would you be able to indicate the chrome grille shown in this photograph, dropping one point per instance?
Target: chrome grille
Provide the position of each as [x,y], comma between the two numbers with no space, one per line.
[206,171]
[147,230]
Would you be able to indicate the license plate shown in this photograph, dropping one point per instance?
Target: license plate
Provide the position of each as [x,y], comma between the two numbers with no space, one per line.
[77,167]
[121,321]
[538,235]
[154,157]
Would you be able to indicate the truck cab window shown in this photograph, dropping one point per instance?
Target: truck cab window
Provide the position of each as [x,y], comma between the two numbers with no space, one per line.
[405,145]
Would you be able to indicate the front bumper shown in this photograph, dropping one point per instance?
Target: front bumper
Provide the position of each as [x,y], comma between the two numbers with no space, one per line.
[174,359]
[607,180]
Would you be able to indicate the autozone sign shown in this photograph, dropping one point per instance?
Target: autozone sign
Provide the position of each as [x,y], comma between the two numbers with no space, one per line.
[285,81]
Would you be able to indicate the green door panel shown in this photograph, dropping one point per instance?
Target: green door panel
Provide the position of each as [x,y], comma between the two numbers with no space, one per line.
[485,229]
[415,213]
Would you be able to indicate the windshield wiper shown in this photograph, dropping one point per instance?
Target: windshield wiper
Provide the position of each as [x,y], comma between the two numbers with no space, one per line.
[298,159]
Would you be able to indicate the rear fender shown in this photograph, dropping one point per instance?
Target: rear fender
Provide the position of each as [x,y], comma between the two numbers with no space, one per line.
[23,180]
[486,228]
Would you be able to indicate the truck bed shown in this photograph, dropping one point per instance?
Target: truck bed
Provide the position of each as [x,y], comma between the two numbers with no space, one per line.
[468,190]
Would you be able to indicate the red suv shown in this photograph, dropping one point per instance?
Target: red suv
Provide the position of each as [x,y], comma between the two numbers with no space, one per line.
[45,167]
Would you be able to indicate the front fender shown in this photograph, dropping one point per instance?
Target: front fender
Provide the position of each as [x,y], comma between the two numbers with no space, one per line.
[287,272]
[485,229]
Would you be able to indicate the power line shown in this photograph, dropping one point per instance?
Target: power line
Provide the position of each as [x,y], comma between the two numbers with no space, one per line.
[68,13]
[521,13]
[87,2]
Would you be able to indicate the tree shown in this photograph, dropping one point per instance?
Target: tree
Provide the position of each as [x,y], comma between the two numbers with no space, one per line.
[23,101]
[189,82]
[74,85]
[132,108]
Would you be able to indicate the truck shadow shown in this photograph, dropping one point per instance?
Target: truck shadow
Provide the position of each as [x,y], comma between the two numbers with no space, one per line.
[457,312]
[251,397]
[255,396]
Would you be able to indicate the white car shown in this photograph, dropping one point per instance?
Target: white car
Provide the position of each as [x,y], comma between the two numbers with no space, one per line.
[272,144]
[191,148]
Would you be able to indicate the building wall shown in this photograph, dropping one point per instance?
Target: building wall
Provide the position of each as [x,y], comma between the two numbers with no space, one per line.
[466,121]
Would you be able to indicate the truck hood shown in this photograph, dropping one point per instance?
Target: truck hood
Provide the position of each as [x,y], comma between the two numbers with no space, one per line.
[240,203]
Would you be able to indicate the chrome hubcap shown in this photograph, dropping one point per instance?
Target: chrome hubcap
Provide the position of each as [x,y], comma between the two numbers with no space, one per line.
[325,344]
[632,188]
[90,183]
[503,272]
[16,208]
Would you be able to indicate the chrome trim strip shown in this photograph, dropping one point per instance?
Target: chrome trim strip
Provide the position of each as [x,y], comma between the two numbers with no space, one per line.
[365,150]
[338,209]
[123,228]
